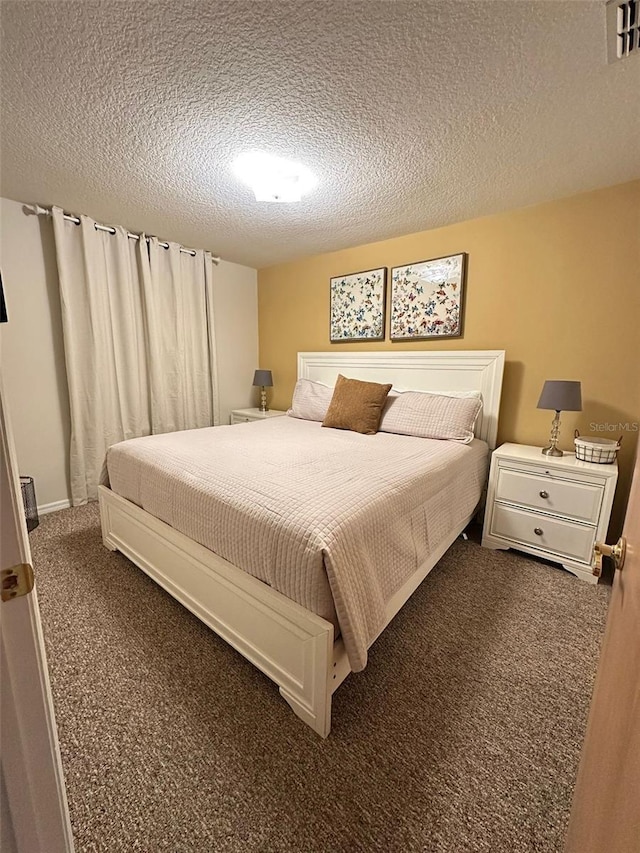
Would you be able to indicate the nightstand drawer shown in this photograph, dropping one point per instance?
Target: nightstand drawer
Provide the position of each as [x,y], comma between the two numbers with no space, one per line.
[551,494]
[541,531]
[245,416]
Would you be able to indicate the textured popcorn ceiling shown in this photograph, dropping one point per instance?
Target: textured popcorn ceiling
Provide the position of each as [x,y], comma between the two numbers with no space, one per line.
[412,114]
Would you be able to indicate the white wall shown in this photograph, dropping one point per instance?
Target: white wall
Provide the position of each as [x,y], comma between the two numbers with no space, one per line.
[32,349]
[235,306]
[33,366]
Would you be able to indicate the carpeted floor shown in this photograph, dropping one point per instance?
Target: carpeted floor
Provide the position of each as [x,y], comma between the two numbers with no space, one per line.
[463,733]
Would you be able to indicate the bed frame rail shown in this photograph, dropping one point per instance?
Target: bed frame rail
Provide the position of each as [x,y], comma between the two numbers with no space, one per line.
[291,645]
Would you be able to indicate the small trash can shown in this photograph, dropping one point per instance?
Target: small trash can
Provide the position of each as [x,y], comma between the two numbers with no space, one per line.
[29,501]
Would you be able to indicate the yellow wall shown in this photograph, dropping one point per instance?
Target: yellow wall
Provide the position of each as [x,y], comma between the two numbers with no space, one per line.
[557,286]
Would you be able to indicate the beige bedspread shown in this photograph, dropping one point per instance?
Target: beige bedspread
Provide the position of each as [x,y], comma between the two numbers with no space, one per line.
[334,520]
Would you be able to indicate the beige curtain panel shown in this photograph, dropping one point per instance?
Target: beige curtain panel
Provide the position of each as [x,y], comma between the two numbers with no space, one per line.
[138,335]
[177,290]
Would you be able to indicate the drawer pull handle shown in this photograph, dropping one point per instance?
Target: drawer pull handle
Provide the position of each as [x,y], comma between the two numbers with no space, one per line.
[544,494]
[537,531]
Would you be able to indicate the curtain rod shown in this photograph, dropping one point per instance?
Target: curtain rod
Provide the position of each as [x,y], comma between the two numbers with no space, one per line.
[37,210]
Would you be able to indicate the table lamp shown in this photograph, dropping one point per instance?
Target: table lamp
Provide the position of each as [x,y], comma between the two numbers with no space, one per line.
[560,395]
[263,380]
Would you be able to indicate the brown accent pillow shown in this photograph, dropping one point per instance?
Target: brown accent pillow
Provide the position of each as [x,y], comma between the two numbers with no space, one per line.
[356,405]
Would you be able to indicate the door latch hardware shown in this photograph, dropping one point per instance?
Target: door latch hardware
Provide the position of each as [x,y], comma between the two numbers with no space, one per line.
[617,553]
[16,581]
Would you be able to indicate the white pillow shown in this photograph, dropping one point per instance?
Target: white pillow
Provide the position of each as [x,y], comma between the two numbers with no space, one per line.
[442,416]
[477,394]
[310,400]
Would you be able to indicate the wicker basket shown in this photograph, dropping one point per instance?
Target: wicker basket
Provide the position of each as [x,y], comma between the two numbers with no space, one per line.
[601,450]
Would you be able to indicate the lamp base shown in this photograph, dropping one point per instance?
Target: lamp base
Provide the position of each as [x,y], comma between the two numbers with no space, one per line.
[263,401]
[552,451]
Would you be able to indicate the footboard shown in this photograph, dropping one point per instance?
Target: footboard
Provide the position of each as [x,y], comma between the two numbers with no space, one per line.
[291,645]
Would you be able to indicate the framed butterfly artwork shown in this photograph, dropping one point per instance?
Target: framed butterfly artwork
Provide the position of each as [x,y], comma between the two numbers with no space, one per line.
[427,299]
[358,306]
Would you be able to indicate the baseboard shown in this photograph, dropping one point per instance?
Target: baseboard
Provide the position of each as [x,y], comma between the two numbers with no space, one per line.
[44,509]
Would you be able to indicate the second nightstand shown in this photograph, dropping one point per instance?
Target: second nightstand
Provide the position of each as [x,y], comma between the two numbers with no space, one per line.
[243,416]
[553,507]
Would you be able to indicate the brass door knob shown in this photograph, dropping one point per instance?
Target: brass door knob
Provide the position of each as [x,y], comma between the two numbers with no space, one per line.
[617,553]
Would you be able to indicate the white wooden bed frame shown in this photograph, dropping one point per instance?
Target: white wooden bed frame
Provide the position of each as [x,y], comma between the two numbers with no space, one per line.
[292,646]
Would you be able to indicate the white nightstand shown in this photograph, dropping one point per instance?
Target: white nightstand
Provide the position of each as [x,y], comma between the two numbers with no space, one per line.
[553,507]
[243,416]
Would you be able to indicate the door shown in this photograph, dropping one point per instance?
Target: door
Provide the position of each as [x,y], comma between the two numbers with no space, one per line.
[606,803]
[35,817]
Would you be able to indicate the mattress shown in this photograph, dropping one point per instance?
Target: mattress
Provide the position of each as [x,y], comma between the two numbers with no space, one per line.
[334,520]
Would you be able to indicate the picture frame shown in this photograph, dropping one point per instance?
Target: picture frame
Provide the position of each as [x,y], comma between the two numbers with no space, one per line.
[427,299]
[357,306]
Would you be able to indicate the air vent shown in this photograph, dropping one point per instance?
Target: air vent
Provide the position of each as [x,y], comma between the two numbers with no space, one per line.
[623,29]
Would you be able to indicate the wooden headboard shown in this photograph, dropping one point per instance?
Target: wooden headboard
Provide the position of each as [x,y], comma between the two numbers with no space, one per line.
[479,370]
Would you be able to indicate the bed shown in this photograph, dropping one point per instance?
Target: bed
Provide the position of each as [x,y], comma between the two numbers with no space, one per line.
[293,565]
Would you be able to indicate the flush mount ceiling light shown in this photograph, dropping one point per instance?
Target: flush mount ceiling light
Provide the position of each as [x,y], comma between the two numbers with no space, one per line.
[273,178]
